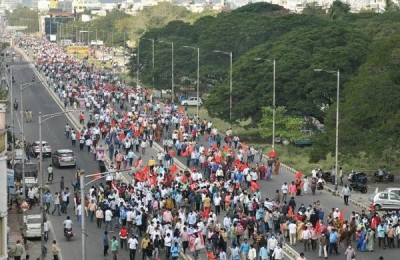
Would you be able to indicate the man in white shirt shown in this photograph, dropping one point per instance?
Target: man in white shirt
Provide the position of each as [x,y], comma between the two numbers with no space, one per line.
[217,203]
[132,243]
[278,253]
[284,189]
[168,244]
[272,244]
[107,218]
[292,233]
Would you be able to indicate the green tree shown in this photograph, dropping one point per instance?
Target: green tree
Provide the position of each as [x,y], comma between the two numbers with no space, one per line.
[370,117]
[286,126]
[390,6]
[23,16]
[338,9]
[313,8]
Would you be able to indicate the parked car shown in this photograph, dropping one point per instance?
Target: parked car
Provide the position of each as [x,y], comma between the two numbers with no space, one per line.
[393,190]
[46,149]
[63,157]
[32,226]
[385,200]
[192,101]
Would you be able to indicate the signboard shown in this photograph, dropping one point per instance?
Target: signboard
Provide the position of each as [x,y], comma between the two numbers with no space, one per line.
[10,182]
[53,37]
[3,137]
[78,50]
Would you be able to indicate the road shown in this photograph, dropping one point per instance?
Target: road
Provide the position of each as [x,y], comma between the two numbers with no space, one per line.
[37,99]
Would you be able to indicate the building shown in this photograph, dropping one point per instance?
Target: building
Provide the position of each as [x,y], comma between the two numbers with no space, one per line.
[3,182]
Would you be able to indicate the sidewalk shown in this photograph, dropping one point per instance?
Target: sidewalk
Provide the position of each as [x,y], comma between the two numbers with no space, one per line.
[15,223]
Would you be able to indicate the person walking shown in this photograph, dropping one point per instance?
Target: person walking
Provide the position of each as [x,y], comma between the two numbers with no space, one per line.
[50,172]
[346,194]
[114,247]
[56,204]
[350,253]
[55,250]
[106,243]
[18,250]
[132,243]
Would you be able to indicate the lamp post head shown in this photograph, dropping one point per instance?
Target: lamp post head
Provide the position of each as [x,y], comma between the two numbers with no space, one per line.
[317,70]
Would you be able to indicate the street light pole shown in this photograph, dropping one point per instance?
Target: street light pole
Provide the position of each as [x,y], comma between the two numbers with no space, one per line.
[41,185]
[273,106]
[43,212]
[337,121]
[82,185]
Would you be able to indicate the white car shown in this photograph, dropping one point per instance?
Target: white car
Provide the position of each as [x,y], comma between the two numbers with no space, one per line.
[192,101]
[32,226]
[46,149]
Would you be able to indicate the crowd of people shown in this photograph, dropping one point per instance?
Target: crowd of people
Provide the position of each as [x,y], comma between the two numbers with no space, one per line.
[214,205]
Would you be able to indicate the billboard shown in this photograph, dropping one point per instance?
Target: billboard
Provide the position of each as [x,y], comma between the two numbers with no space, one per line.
[78,49]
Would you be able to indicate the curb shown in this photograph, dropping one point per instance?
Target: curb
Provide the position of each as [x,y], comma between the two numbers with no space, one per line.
[329,189]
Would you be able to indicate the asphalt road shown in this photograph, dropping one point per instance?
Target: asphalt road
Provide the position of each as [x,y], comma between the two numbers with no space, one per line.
[38,99]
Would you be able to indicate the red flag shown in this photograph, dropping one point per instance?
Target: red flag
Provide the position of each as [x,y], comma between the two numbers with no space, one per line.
[214,146]
[290,212]
[146,170]
[254,186]
[184,179]
[139,176]
[112,123]
[184,153]
[138,163]
[153,180]
[173,168]
[318,227]
[341,216]
[226,148]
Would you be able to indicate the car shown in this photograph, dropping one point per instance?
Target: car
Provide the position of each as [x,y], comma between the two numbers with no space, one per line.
[192,101]
[63,157]
[384,200]
[32,226]
[46,150]
[393,190]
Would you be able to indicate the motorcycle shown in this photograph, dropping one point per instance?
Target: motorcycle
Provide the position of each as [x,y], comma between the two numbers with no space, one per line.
[15,106]
[386,177]
[358,186]
[68,234]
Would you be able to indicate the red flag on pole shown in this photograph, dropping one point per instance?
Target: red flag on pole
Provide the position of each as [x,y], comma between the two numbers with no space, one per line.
[318,227]
[254,185]
[290,212]
[173,168]
[341,216]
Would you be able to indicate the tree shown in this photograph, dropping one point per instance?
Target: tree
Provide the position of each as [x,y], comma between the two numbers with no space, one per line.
[370,116]
[390,6]
[23,16]
[338,9]
[313,8]
[286,126]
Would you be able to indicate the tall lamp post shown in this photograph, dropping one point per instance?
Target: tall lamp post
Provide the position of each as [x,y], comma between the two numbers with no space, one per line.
[172,70]
[198,78]
[337,73]
[152,40]
[42,119]
[22,88]
[230,54]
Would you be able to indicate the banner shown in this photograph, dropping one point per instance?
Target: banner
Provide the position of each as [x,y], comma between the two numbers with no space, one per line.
[192,238]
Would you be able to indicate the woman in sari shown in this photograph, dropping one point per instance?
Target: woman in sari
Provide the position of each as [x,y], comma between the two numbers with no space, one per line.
[360,239]
[300,228]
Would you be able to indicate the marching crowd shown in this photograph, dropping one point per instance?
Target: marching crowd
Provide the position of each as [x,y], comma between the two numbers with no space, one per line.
[214,206]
